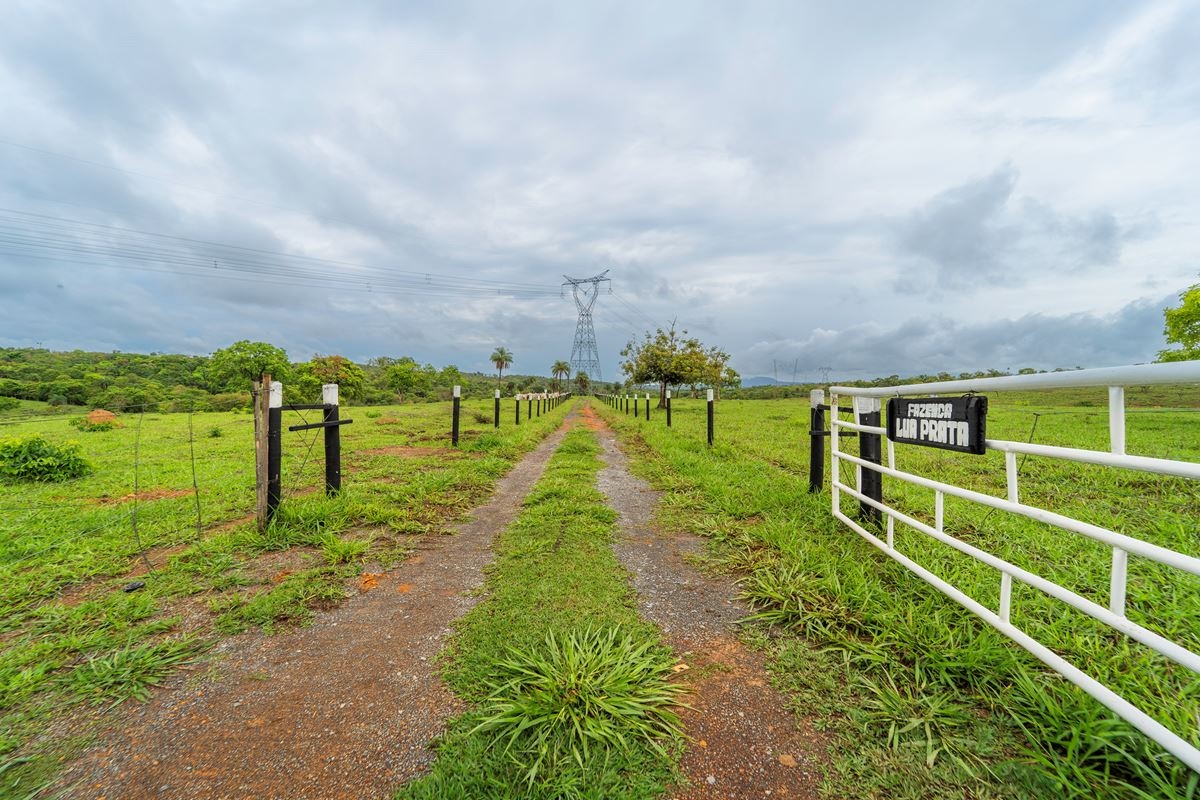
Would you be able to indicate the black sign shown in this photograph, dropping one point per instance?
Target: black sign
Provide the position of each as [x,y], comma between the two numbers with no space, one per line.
[948,423]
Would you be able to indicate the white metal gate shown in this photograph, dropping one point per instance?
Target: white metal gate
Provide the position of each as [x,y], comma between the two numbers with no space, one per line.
[867,400]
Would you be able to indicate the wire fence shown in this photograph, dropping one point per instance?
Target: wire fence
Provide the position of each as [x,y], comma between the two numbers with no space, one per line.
[139,469]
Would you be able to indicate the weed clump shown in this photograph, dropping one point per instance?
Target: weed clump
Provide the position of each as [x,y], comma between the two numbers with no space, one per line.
[32,458]
[87,426]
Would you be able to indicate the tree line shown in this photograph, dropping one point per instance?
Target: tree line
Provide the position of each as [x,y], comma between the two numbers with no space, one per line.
[120,381]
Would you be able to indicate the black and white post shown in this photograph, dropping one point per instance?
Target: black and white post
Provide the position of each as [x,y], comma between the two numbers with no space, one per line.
[457,409]
[816,440]
[635,406]
[274,449]
[647,406]
[710,417]
[668,408]
[496,413]
[333,440]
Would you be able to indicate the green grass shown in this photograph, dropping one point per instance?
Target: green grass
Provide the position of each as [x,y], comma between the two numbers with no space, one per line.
[924,699]
[570,687]
[69,635]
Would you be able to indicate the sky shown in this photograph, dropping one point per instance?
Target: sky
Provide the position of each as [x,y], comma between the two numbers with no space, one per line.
[820,189]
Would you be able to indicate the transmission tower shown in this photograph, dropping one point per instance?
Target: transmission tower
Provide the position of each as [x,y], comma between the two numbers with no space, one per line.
[584,355]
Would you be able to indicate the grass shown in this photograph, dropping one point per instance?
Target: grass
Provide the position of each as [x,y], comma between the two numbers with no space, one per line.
[924,699]
[69,636]
[570,689]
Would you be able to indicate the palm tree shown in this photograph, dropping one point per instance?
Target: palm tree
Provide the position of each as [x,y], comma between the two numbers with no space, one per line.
[559,370]
[501,358]
[583,382]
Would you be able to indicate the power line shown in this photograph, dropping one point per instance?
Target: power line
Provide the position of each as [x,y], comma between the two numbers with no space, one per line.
[62,240]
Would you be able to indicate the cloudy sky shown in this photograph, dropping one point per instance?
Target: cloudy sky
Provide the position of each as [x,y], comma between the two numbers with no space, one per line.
[872,187]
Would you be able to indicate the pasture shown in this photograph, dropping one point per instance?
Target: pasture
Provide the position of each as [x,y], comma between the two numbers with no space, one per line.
[928,700]
[72,638]
[924,700]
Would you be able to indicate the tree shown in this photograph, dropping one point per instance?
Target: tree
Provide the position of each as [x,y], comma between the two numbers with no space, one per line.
[1182,327]
[340,370]
[406,377]
[582,382]
[666,358]
[501,358]
[560,370]
[233,368]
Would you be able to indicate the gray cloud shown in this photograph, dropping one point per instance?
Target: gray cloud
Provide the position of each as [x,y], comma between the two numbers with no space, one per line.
[980,234]
[930,345]
[757,173]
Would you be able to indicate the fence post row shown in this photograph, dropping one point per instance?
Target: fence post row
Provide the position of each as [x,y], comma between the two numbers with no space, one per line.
[710,417]
[457,410]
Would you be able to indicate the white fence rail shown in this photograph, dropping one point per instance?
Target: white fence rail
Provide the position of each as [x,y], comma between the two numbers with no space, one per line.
[867,400]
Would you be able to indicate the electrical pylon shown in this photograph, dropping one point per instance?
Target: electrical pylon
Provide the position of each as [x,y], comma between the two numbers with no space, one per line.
[584,355]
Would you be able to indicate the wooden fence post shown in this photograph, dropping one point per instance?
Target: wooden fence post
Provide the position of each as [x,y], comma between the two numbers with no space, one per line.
[496,412]
[261,405]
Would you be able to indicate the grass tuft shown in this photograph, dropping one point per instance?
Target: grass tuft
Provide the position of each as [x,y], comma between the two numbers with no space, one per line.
[579,691]
[130,671]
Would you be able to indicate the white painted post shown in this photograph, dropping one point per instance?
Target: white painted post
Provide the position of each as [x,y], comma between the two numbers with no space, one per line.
[1117,581]
[329,394]
[1116,419]
[1010,470]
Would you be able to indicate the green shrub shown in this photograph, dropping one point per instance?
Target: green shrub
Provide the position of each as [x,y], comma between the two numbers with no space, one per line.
[374,414]
[215,433]
[87,426]
[32,458]
[9,403]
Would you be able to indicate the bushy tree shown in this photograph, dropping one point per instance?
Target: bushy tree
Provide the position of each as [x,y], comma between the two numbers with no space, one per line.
[672,358]
[406,377]
[1182,327]
[235,367]
[310,376]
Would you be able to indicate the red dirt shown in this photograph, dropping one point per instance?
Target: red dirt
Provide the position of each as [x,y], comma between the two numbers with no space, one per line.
[410,452]
[143,496]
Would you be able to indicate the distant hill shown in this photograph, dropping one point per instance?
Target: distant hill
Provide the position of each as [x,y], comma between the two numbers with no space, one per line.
[762,380]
